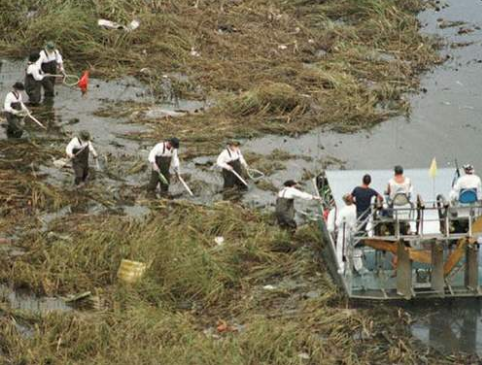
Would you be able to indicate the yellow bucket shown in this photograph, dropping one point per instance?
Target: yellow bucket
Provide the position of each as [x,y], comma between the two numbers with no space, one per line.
[131,271]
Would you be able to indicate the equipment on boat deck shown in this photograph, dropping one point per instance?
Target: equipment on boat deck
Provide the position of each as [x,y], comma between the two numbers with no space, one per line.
[405,248]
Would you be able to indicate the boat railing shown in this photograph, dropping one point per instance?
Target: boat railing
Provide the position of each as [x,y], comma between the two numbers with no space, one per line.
[428,221]
[440,240]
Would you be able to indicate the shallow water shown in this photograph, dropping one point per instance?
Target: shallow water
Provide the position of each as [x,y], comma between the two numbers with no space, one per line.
[444,122]
[26,301]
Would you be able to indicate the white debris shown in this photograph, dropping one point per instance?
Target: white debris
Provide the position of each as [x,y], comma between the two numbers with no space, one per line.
[108,24]
[219,240]
[282,46]
[269,287]
[304,356]
[194,53]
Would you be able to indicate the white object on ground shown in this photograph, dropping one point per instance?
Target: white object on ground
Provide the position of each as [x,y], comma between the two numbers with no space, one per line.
[108,24]
[219,240]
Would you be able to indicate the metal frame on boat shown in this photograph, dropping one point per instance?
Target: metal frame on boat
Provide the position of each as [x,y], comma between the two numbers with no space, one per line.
[427,248]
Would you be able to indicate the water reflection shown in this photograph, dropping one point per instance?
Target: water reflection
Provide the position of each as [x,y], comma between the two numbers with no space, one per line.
[453,328]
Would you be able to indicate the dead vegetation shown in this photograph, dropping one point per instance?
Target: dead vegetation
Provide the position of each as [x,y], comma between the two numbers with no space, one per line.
[270,66]
[257,298]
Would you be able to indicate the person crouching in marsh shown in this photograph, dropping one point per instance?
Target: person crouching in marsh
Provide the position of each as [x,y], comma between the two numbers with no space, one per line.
[285,204]
[51,63]
[231,160]
[78,151]
[33,80]
[15,110]
[162,157]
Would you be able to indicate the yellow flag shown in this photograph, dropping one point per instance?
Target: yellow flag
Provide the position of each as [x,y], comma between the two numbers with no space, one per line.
[433,169]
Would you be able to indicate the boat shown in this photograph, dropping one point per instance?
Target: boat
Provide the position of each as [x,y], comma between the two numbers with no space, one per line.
[423,246]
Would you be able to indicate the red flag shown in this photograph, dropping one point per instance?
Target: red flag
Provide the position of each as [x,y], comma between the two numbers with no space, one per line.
[83,83]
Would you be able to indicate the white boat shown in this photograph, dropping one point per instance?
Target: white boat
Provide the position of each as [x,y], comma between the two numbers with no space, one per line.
[426,247]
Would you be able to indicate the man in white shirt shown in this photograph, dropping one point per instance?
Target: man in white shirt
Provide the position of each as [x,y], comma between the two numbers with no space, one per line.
[162,158]
[399,184]
[15,110]
[346,226]
[33,80]
[78,151]
[231,159]
[469,181]
[285,207]
[51,62]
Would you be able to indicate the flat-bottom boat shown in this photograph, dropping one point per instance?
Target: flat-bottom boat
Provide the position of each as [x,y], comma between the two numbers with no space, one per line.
[425,246]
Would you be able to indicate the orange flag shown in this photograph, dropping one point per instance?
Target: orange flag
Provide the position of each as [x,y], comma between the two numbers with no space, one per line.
[83,83]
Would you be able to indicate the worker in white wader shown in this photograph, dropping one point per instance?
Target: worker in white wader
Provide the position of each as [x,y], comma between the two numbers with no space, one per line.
[33,80]
[231,159]
[50,62]
[163,158]
[285,205]
[469,181]
[78,150]
[346,226]
[15,110]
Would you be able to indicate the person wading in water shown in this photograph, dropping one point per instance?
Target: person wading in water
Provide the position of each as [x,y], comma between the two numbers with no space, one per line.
[50,61]
[78,151]
[162,157]
[15,110]
[33,80]
[285,205]
[231,159]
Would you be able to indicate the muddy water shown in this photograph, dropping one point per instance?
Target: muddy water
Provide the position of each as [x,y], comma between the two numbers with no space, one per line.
[29,302]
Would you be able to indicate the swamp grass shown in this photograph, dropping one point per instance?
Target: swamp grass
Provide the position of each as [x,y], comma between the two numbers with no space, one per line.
[271,66]
[199,303]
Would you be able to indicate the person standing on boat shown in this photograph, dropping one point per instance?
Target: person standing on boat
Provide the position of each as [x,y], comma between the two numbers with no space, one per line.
[232,160]
[399,184]
[363,197]
[51,62]
[162,158]
[470,181]
[15,110]
[78,151]
[285,206]
[346,225]
[33,80]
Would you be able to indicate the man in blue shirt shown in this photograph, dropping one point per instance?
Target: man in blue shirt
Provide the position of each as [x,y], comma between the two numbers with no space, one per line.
[363,196]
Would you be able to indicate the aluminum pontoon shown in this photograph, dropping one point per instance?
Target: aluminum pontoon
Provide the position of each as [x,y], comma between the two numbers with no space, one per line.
[424,248]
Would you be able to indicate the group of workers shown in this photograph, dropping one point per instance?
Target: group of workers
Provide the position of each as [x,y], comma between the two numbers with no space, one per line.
[44,66]
[353,216]
[42,70]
